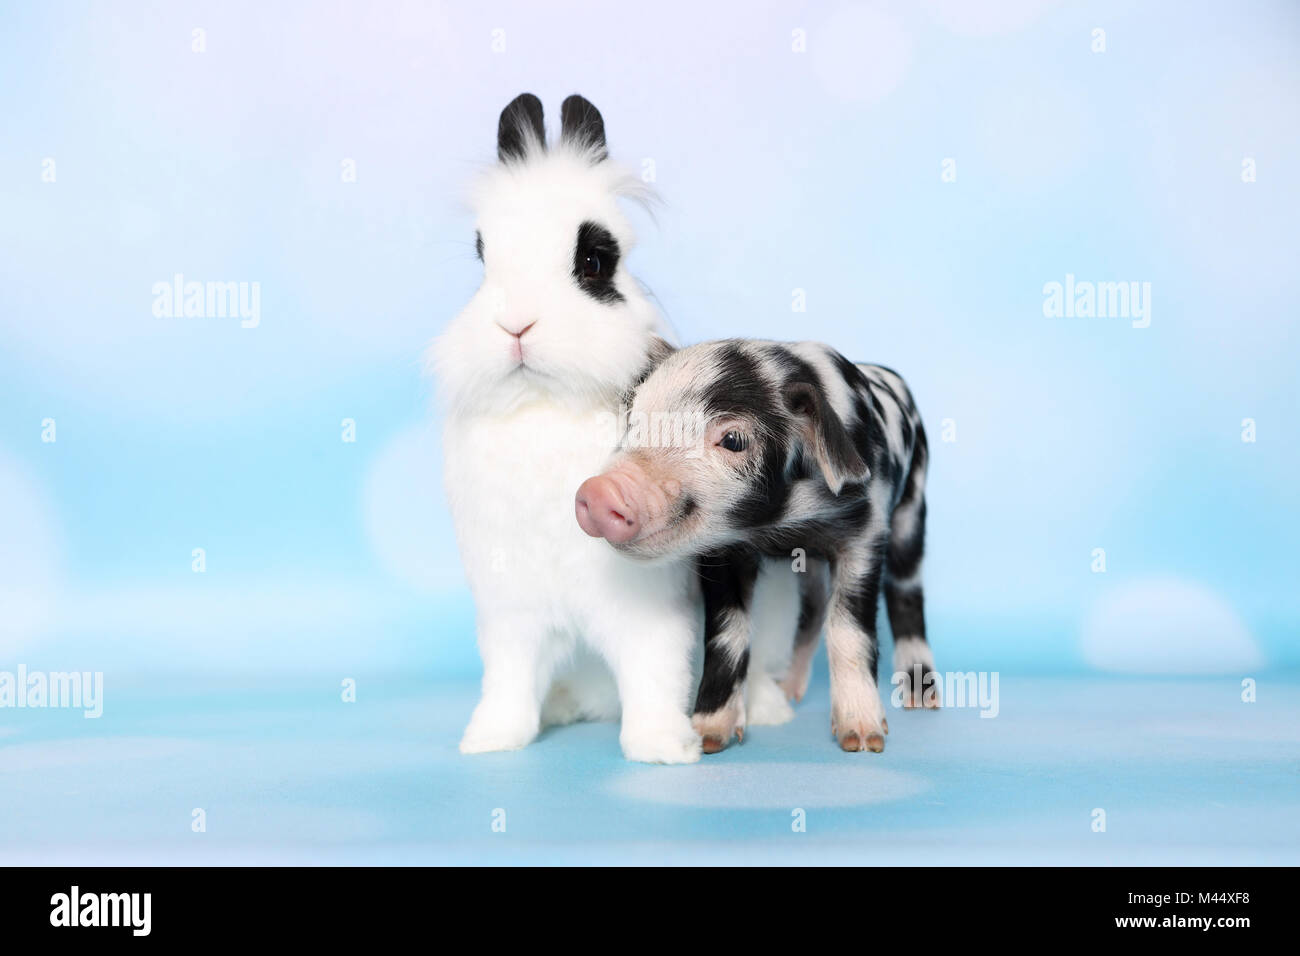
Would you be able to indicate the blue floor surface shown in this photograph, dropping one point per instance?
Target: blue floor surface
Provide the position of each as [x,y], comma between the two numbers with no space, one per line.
[1184,770]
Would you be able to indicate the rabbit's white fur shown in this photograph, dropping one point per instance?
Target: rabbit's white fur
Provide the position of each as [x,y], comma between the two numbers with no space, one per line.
[553,603]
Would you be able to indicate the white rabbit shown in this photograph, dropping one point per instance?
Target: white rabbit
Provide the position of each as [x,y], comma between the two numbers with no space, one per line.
[532,372]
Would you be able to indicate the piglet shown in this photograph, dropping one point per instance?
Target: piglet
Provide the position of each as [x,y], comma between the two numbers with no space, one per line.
[739,450]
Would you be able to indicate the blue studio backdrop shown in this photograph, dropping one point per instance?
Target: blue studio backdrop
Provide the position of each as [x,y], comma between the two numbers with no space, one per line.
[1071,226]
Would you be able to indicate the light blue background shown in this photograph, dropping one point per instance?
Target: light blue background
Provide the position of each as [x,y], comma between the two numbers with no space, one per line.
[780,170]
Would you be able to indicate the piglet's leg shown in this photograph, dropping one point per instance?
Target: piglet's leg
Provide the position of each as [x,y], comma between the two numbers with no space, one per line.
[904,598]
[857,714]
[727,581]
[812,615]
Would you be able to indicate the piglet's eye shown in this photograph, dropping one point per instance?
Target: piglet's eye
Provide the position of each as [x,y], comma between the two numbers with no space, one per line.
[733,441]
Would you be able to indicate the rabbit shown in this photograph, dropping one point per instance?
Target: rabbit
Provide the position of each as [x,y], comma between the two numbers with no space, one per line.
[531,374]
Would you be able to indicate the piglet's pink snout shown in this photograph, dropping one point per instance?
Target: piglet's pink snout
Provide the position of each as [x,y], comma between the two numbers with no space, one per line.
[603,511]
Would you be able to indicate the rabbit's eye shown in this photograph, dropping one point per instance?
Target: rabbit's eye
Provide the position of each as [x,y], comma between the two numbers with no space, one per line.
[733,441]
[595,262]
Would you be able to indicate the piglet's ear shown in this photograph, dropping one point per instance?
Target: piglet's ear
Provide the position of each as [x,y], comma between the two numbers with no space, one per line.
[825,436]
[520,128]
[582,125]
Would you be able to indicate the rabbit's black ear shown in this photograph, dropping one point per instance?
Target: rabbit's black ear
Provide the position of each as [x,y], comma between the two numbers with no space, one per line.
[582,125]
[520,126]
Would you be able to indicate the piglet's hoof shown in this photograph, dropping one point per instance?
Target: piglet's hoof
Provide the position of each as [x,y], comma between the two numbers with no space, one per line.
[858,734]
[718,728]
[930,701]
[712,743]
[852,743]
[921,692]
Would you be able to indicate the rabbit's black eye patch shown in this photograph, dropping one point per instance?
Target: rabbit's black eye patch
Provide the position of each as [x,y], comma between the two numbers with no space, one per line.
[595,259]
[478,245]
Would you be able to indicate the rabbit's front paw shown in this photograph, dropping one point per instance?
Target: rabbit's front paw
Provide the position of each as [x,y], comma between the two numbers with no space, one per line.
[672,742]
[493,728]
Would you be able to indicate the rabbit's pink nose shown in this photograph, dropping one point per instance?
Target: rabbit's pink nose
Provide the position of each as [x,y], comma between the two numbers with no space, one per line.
[603,512]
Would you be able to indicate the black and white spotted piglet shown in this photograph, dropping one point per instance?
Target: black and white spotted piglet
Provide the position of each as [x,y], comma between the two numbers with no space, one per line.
[740,450]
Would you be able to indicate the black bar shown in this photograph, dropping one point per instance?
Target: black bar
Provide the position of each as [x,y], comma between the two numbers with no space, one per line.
[929,906]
